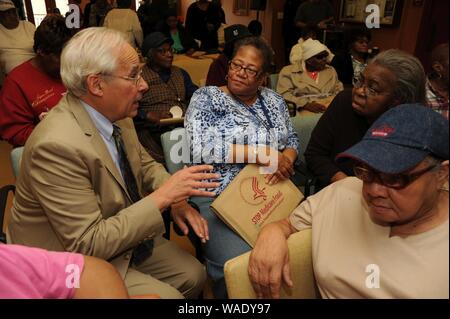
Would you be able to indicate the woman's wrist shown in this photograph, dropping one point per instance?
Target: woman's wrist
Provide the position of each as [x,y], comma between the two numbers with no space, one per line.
[291,154]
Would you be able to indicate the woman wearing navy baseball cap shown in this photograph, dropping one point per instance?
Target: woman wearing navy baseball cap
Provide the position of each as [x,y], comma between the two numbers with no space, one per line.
[381,234]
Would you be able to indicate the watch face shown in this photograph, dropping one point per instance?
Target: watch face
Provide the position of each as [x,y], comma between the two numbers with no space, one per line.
[176,111]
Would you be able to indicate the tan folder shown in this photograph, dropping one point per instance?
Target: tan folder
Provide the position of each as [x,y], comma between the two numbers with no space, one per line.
[248,203]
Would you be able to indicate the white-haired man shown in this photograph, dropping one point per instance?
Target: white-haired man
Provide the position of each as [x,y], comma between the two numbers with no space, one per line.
[88,186]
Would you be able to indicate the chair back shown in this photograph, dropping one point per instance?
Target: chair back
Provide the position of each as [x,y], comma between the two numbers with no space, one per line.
[273,81]
[16,159]
[176,150]
[302,274]
[176,155]
[4,192]
[304,126]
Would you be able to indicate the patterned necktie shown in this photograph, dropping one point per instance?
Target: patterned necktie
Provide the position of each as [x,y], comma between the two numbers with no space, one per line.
[145,249]
[125,168]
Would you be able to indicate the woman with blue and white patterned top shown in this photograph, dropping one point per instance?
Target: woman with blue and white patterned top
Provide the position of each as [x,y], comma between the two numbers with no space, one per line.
[231,126]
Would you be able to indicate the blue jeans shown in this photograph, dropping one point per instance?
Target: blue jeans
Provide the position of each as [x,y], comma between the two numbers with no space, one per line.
[223,245]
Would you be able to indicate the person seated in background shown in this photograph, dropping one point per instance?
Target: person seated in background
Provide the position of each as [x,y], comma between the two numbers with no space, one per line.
[222,17]
[203,20]
[183,42]
[437,81]
[169,88]
[381,234]
[95,16]
[16,39]
[34,273]
[91,188]
[314,13]
[87,13]
[391,78]
[76,3]
[151,13]
[218,69]
[250,119]
[296,52]
[309,79]
[290,32]
[125,20]
[255,28]
[34,87]
[350,64]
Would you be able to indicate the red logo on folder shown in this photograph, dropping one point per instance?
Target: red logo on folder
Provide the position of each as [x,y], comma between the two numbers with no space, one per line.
[258,193]
[252,192]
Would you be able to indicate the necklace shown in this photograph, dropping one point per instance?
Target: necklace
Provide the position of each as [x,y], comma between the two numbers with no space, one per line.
[313,74]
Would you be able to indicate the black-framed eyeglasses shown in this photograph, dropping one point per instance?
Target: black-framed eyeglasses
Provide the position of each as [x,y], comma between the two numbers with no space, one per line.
[135,79]
[236,67]
[368,89]
[396,181]
[164,51]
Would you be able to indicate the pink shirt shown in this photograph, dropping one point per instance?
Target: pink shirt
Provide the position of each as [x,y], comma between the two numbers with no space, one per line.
[30,273]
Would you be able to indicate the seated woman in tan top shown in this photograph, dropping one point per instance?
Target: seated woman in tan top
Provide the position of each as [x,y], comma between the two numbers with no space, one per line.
[309,82]
[381,234]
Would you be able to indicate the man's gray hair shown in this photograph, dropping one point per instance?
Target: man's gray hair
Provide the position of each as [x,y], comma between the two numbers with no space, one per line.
[411,78]
[90,51]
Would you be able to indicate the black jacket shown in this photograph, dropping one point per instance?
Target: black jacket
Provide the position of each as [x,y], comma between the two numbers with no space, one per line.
[338,129]
[343,65]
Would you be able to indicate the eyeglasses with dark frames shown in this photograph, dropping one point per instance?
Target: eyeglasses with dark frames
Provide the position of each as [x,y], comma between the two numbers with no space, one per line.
[164,51]
[396,181]
[369,90]
[236,67]
[135,79]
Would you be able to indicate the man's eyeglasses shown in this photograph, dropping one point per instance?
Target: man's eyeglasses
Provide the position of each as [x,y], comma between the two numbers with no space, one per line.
[368,90]
[396,181]
[236,67]
[135,79]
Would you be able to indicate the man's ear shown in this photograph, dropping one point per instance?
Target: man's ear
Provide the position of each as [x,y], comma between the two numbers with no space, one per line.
[94,84]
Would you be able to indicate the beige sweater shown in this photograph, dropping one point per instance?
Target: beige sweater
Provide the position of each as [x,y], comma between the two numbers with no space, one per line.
[126,21]
[296,86]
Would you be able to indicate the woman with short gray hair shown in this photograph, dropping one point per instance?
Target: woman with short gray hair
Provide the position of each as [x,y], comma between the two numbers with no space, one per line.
[392,78]
[410,84]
